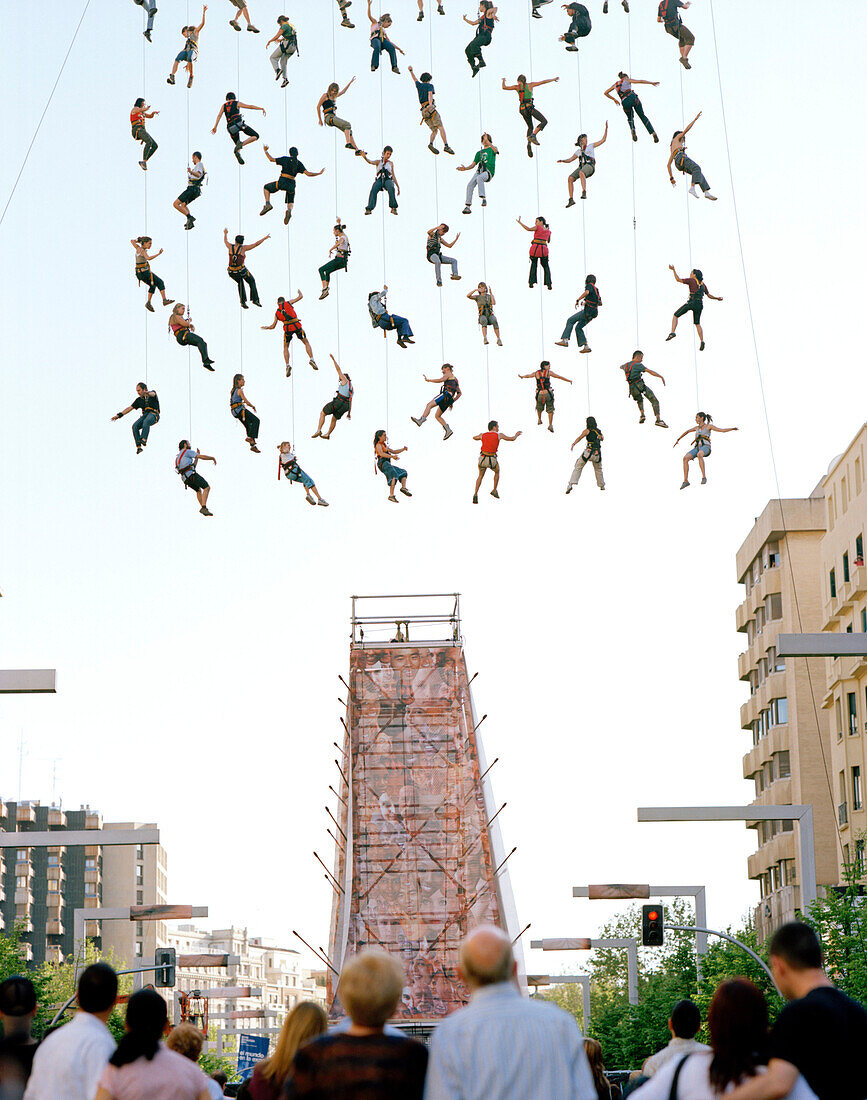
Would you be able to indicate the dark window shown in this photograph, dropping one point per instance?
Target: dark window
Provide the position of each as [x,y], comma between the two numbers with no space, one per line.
[846,567]
[833,580]
[859,550]
[853,713]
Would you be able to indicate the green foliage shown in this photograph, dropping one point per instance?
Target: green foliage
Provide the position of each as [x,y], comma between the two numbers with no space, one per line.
[210,1063]
[840,921]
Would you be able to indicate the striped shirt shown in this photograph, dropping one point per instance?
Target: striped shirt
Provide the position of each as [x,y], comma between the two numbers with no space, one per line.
[503,1046]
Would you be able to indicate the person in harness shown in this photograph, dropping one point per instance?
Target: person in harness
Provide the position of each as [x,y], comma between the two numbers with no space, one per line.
[327,105]
[383,454]
[592,300]
[339,406]
[235,124]
[287,39]
[484,24]
[526,108]
[380,318]
[340,251]
[195,178]
[630,102]
[143,271]
[185,464]
[287,465]
[429,113]
[669,14]
[292,327]
[694,283]
[586,157]
[592,453]
[290,167]
[485,301]
[380,41]
[545,391]
[483,167]
[638,389]
[579,25]
[190,51]
[434,251]
[148,404]
[242,10]
[385,180]
[238,272]
[245,411]
[700,445]
[538,249]
[683,163]
[150,10]
[184,333]
[345,21]
[420,18]
[450,391]
[137,116]
[537,4]
[488,460]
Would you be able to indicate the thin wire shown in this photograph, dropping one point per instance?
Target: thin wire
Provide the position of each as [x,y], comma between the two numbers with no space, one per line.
[240,226]
[336,167]
[144,93]
[583,222]
[437,201]
[290,294]
[382,222]
[689,241]
[538,189]
[485,270]
[634,207]
[44,112]
[189,350]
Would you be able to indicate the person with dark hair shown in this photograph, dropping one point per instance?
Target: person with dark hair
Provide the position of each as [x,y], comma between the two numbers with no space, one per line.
[450,392]
[238,272]
[485,301]
[538,249]
[148,404]
[68,1063]
[287,465]
[185,465]
[586,157]
[290,167]
[490,441]
[340,404]
[345,21]
[592,453]
[137,116]
[242,9]
[377,307]
[604,1089]
[429,113]
[630,102]
[545,391]
[383,454]
[190,51]
[434,251]
[220,1080]
[184,333]
[526,108]
[484,24]
[235,123]
[579,25]
[17,1047]
[385,180]
[327,105]
[683,163]
[380,41]
[340,261]
[683,1023]
[195,179]
[700,444]
[150,10]
[143,271]
[638,389]
[669,14]
[292,327]
[697,292]
[592,300]
[483,167]
[245,411]
[287,45]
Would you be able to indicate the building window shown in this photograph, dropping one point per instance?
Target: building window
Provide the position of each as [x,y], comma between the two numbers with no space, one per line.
[21,855]
[838,709]
[832,577]
[53,861]
[775,663]
[754,682]
[90,889]
[139,851]
[21,882]
[843,809]
[90,863]
[139,897]
[853,713]
[139,876]
[846,567]
[773,555]
[760,619]
[859,550]
[857,803]
[784,767]
[773,607]
[779,712]
[859,858]
[138,950]
[857,476]
[864,620]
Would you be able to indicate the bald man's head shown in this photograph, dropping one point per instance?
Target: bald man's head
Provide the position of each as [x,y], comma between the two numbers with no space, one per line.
[486,957]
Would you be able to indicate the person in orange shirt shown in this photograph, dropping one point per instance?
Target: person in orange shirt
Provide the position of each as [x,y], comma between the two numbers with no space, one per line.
[488,460]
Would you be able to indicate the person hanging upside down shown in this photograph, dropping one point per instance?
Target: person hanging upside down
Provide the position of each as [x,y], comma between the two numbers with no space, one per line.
[345,21]
[190,51]
[381,318]
[545,391]
[701,447]
[380,41]
[483,167]
[328,105]
[579,25]
[340,404]
[185,464]
[195,179]
[488,460]
[241,5]
[638,389]
[292,326]
[290,167]
[484,24]
[450,391]
[429,113]
[434,251]
[148,404]
[287,39]
[592,453]
[528,112]
[244,410]
[385,180]
[340,250]
[137,117]
[592,300]
[238,266]
[383,454]
[630,102]
[684,164]
[485,301]
[150,8]
[235,123]
[143,271]
[668,14]
[538,249]
[184,332]
[586,157]
[287,464]
[697,292]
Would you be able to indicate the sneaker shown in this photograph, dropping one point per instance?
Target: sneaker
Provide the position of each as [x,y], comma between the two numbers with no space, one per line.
[704,481]
[448,149]
[420,17]
[562,343]
[287,217]
[252,29]
[572,49]
[417,420]
[265,209]
[256,302]
[285,83]
[708,195]
[475,499]
[244,305]
[322,503]
[310,499]
[642,418]
[440,9]
[551,428]
[466,210]
[138,450]
[401,342]
[205,511]
[685,485]
[313,364]
[655,137]
[170,79]
[345,23]
[568,490]
[324,294]
[233,24]
[455,278]
[147,35]
[366,211]
[190,222]
[701,346]
[190,82]
[238,156]
[529,150]
[168,301]
[670,336]
[255,449]
[484,202]
[143,164]
[448,433]
[405,491]
[288,370]
[277,74]
[494,493]
[626,6]
[395,69]
[605,8]
[571,202]
[149,307]
[534,139]
[433,148]
[660,423]
[585,350]
[439,282]
[685,63]
[693,191]
[634,136]
[207,364]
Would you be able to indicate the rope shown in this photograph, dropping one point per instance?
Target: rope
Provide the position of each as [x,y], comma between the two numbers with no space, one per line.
[634,207]
[289,292]
[437,200]
[382,222]
[485,271]
[689,241]
[538,189]
[144,93]
[336,166]
[240,226]
[583,222]
[187,246]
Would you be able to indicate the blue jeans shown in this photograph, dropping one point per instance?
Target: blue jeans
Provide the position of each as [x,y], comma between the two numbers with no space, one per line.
[578,321]
[392,321]
[386,185]
[378,45]
[150,6]
[141,428]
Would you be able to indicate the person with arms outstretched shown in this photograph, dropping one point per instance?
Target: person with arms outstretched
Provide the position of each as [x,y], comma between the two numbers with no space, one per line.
[669,14]
[538,249]
[434,251]
[383,454]
[287,45]
[586,157]
[385,180]
[485,301]
[290,167]
[338,258]
[579,25]
[685,164]
[137,116]
[148,404]
[484,24]
[592,453]
[526,107]
[701,446]
[185,464]
[287,465]
[327,105]
[488,460]
[483,166]
[245,411]
[630,102]
[340,404]
[150,10]
[694,282]
[238,272]
[450,392]
[380,41]
[190,51]
[638,389]
[292,327]
[381,318]
[184,333]
[195,179]
[235,123]
[587,312]
[143,271]
[545,391]
[429,113]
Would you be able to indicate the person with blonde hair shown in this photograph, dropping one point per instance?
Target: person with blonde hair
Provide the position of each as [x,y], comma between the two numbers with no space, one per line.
[363,1060]
[186,1039]
[306,1022]
[604,1089]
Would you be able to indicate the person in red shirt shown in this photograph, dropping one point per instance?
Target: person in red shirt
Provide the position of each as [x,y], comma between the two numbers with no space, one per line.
[488,460]
[137,117]
[291,327]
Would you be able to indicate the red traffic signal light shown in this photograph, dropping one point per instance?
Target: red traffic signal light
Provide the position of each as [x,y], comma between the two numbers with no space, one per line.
[652,926]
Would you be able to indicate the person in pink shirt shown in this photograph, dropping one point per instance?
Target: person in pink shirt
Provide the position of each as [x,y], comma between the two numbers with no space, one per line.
[538,249]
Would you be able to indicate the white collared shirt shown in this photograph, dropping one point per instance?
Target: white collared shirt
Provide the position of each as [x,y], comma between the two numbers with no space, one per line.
[675,1049]
[69,1063]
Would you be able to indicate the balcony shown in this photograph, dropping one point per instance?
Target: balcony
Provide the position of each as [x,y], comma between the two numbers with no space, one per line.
[858,581]
[744,666]
[743,616]
[92,929]
[23,897]
[91,874]
[843,814]
[54,927]
[24,868]
[91,901]
[56,819]
[92,821]
[92,852]
[54,954]
[55,874]
[26,814]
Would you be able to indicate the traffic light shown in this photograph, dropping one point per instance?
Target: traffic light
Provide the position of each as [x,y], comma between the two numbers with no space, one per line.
[165,959]
[652,926]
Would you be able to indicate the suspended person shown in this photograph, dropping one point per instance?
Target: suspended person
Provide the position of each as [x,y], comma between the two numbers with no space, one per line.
[450,392]
[538,249]
[383,454]
[485,301]
[143,271]
[150,9]
[440,10]
[381,318]
[526,108]
[429,113]
[185,464]
[668,14]
[380,41]
[537,4]
[184,332]
[488,460]
[238,266]
[287,465]
[434,251]
[245,411]
[339,406]
[195,179]
[587,312]
[483,166]
[638,388]
[292,327]
[694,282]
[148,404]
[592,453]
[327,105]
[338,259]
[190,51]
[244,11]
[579,25]
[624,4]
[586,157]
[545,391]
[385,180]
[630,102]
[290,167]
[287,45]
[484,24]
[684,164]
[700,444]
[235,123]
[345,21]
[137,117]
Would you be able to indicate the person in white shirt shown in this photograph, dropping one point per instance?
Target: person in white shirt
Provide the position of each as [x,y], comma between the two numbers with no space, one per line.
[684,1022]
[70,1061]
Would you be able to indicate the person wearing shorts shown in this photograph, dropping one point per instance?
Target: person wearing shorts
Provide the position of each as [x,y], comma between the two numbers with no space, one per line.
[241,5]
[287,40]
[235,124]
[545,391]
[488,460]
[345,21]
[143,271]
[289,468]
[185,465]
[700,445]
[292,327]
[669,15]
[195,179]
[190,51]
[450,392]
[383,454]
[290,167]
[339,406]
[327,105]
[638,388]
[485,301]
[429,113]
[137,117]
[586,157]
[694,283]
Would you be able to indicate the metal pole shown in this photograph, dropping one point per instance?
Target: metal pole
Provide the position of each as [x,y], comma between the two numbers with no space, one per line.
[585,993]
[632,971]
[731,939]
[809,890]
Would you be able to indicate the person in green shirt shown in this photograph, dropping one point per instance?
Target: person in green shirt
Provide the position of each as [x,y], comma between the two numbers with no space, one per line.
[483,167]
[287,45]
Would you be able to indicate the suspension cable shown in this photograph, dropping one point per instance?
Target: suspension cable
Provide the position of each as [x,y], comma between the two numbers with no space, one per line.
[291,344]
[634,205]
[485,270]
[583,221]
[538,189]
[144,93]
[382,222]
[187,246]
[437,198]
[689,243]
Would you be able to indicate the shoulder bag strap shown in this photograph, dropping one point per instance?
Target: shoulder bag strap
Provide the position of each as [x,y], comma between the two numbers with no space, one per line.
[673,1093]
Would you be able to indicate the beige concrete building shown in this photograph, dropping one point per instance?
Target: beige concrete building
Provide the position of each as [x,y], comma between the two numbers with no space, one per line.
[133,874]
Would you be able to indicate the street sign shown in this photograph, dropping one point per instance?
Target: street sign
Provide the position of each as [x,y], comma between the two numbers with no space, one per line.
[251,1050]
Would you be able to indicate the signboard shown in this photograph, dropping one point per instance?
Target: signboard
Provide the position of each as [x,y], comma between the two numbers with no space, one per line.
[251,1050]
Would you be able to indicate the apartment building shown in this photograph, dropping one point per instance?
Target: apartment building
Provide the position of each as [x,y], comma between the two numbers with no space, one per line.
[133,874]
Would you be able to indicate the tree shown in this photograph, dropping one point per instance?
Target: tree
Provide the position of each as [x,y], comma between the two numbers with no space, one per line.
[840,921]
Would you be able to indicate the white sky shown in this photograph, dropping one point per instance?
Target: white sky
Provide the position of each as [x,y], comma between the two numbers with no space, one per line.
[197,660]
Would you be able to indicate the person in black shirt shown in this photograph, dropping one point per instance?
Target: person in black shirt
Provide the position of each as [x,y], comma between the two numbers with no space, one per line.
[17,1047]
[235,123]
[579,25]
[821,1033]
[450,391]
[148,404]
[290,167]
[669,15]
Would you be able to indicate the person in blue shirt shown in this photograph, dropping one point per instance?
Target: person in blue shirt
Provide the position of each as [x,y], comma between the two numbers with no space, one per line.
[185,464]
[429,113]
[381,318]
[339,405]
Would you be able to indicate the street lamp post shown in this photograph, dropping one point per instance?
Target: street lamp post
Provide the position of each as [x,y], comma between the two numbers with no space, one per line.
[582,944]
[619,891]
